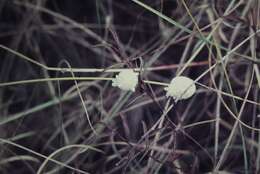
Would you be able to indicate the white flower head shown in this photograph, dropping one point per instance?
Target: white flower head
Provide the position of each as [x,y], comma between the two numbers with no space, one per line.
[180,88]
[126,80]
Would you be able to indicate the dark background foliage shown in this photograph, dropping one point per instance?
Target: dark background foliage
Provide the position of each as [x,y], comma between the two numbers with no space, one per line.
[116,33]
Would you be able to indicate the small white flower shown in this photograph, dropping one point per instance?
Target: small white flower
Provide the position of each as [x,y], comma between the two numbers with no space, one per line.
[126,80]
[181,88]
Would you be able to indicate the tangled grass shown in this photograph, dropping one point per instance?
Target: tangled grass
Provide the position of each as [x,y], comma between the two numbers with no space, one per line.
[59,112]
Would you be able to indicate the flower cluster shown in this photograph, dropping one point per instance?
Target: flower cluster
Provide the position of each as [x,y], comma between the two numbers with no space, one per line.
[180,87]
[126,80]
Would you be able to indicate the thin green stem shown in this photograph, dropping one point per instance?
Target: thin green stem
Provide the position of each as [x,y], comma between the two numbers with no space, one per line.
[21,82]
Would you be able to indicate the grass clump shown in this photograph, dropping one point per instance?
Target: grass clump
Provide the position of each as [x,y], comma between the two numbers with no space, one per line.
[99,87]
